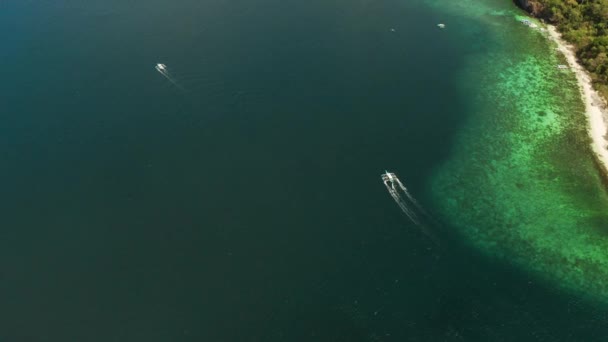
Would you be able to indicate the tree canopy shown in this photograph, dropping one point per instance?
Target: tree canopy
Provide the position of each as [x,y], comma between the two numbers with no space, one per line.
[583,23]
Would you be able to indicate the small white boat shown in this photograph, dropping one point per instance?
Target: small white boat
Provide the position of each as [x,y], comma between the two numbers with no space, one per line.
[161,67]
[441,25]
[528,23]
[562,66]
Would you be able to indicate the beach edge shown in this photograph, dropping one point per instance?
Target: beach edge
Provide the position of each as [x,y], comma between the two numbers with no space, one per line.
[595,105]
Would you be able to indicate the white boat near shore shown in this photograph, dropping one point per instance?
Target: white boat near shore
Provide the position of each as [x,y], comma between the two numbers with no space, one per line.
[528,23]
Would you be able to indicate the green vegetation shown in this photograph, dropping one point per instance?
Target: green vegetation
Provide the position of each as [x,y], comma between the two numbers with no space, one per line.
[583,23]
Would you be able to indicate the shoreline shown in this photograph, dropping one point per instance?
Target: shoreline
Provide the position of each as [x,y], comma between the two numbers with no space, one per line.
[595,106]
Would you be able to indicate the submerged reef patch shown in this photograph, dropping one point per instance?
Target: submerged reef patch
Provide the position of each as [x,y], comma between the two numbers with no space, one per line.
[521,182]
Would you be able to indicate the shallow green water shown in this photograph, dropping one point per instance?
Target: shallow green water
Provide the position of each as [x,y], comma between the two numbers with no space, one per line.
[521,182]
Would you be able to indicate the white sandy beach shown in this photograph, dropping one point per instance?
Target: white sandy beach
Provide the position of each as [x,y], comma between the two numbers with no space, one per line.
[595,105]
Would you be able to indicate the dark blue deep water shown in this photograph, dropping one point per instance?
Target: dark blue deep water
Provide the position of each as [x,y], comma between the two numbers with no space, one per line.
[245,203]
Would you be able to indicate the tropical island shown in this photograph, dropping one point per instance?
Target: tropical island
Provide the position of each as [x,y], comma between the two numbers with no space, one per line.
[583,23]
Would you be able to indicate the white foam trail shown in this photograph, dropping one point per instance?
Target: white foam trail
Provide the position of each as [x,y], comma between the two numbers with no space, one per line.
[166,74]
[411,198]
[401,203]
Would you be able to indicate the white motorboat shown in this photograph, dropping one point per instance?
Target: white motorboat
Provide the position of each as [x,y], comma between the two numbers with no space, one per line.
[161,67]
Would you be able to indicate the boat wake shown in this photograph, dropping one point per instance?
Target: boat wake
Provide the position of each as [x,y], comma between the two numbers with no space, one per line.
[407,203]
[162,69]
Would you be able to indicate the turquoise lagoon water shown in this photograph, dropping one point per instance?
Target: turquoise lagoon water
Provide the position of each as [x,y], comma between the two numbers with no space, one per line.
[520,182]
